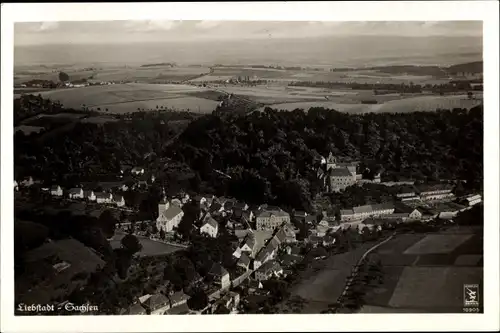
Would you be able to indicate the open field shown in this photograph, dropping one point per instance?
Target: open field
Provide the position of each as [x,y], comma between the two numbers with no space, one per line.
[324,281]
[31,289]
[426,273]
[411,104]
[110,73]
[123,98]
[151,74]
[283,75]
[149,247]
[437,244]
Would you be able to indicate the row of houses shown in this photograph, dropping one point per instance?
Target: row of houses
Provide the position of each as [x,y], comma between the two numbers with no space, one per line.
[426,193]
[80,193]
[157,304]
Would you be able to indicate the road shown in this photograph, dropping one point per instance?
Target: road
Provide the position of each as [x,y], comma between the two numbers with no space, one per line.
[355,270]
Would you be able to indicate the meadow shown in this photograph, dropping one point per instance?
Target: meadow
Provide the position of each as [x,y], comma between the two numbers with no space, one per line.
[108,73]
[426,273]
[283,75]
[409,104]
[124,98]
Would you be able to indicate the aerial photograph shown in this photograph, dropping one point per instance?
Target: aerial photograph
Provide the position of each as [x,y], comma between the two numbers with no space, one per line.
[248,167]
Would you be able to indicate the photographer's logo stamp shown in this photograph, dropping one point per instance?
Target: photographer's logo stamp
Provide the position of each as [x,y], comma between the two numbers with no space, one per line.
[471,295]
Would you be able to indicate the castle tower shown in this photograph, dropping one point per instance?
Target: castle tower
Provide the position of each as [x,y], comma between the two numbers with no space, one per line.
[331,162]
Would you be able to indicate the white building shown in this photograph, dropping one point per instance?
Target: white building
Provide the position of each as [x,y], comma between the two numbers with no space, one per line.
[89,195]
[472,199]
[102,197]
[137,171]
[119,200]
[271,219]
[76,193]
[366,211]
[56,191]
[210,227]
[169,216]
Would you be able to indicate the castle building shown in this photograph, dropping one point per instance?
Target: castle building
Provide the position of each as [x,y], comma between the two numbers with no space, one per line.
[337,176]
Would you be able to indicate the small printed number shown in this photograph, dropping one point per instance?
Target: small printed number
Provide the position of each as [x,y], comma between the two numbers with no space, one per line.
[471,310]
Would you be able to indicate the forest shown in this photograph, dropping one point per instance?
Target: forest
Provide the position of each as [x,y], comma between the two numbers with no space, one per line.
[272,156]
[267,157]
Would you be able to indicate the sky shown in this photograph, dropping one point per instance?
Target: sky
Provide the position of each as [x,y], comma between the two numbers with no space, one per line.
[119,32]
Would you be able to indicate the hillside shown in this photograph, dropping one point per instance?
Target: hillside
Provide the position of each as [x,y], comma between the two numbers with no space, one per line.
[470,67]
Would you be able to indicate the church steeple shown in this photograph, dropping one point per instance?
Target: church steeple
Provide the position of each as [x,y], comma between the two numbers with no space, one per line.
[164,197]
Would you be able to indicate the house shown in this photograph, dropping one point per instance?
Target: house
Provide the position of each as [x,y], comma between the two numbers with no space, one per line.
[254,286]
[215,208]
[220,275]
[89,195]
[243,261]
[412,213]
[209,199]
[448,210]
[300,215]
[247,216]
[157,304]
[363,212]
[178,298]
[311,219]
[471,200]
[248,245]
[271,219]
[56,191]
[280,236]
[406,192]
[76,193]
[27,182]
[294,250]
[347,215]
[136,309]
[267,270]
[329,240]
[315,240]
[176,202]
[263,256]
[199,199]
[119,200]
[182,309]
[435,192]
[210,226]
[322,228]
[102,197]
[137,171]
[229,205]
[290,233]
[144,298]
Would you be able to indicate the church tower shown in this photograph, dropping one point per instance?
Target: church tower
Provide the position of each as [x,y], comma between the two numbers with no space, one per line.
[162,206]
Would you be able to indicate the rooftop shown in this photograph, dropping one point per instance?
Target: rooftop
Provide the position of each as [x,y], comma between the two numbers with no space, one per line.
[339,172]
[218,270]
[156,301]
[172,211]
[269,213]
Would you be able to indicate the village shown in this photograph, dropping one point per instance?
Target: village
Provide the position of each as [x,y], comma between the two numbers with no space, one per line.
[270,242]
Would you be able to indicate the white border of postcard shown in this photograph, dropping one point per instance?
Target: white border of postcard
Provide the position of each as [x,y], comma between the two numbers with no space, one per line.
[272,11]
